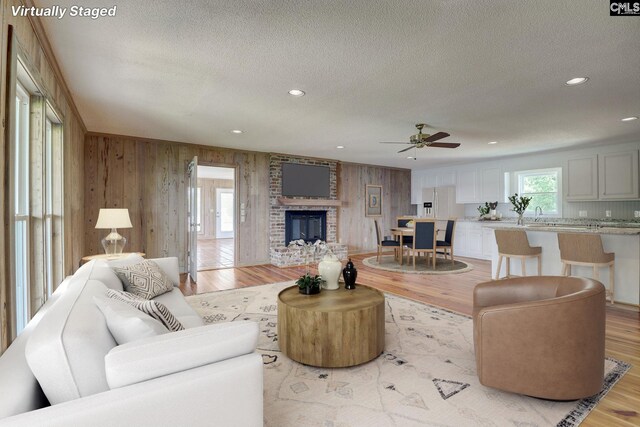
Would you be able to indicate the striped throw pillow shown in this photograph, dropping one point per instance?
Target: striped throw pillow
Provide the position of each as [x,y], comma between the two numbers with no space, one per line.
[154,309]
[144,279]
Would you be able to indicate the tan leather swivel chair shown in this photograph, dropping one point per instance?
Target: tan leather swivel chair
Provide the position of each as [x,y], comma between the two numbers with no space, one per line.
[540,336]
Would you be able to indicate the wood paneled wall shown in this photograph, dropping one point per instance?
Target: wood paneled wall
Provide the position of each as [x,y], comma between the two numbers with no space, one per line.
[356,230]
[38,58]
[149,178]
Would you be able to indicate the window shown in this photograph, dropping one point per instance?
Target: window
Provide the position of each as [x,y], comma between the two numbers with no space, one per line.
[544,186]
[36,200]
[21,223]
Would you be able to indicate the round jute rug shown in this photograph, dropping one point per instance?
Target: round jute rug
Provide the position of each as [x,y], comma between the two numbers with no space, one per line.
[443,266]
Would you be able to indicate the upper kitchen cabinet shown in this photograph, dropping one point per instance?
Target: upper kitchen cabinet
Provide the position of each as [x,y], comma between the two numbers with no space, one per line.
[467,188]
[445,179]
[582,178]
[478,185]
[490,185]
[618,175]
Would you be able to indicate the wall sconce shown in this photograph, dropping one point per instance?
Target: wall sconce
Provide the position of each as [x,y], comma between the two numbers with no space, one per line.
[112,219]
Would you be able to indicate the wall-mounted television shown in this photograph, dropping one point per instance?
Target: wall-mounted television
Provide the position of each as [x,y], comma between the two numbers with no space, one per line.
[300,180]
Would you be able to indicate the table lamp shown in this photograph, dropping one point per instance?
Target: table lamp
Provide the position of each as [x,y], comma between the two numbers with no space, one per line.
[113,243]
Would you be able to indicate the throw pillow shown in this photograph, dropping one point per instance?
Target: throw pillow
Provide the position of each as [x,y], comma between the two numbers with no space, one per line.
[154,309]
[126,323]
[144,279]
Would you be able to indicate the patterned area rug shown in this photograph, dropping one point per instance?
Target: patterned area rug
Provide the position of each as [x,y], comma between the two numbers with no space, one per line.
[443,266]
[425,377]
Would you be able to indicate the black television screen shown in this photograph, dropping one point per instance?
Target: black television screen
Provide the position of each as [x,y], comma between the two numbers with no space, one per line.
[305,180]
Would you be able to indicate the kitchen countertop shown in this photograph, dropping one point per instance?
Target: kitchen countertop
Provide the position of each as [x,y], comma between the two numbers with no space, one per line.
[563,228]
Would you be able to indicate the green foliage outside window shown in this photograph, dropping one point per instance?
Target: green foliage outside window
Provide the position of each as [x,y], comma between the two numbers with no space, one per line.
[543,190]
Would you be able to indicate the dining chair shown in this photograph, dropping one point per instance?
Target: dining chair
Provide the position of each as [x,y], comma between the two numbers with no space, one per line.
[447,243]
[424,240]
[382,243]
[402,222]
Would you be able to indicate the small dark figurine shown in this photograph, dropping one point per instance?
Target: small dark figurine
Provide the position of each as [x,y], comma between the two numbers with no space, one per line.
[349,273]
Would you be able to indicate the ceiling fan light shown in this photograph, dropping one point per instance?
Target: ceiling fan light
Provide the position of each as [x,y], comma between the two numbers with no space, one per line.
[577,81]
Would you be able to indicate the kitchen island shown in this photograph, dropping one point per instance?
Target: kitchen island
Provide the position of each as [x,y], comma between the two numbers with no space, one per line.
[623,241]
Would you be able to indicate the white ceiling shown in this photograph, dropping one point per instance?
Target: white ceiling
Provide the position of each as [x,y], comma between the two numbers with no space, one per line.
[481,70]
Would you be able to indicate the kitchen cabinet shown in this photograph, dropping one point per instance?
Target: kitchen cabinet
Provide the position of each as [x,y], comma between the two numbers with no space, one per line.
[618,175]
[467,188]
[471,240]
[490,185]
[582,178]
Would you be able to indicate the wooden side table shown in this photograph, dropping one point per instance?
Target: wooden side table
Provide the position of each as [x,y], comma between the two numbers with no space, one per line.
[332,329]
[107,257]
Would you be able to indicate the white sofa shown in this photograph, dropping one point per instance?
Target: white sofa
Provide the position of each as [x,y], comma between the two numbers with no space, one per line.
[205,375]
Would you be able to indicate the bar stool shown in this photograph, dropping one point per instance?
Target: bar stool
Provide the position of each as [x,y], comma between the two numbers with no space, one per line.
[514,244]
[586,249]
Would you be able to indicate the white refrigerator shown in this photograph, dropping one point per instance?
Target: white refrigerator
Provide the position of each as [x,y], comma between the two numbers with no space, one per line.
[440,203]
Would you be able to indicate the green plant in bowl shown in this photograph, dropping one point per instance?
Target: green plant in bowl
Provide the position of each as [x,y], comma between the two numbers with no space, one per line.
[309,284]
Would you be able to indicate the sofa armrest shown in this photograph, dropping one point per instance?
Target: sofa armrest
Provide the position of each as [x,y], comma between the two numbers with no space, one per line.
[166,354]
[170,267]
[228,393]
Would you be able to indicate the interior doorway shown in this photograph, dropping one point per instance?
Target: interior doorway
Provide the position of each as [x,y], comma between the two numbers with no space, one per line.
[215,217]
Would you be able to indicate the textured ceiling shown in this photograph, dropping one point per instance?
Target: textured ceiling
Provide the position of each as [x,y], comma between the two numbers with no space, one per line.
[480,70]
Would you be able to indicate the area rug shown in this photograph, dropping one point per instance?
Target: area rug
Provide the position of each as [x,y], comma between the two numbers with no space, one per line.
[443,266]
[425,377]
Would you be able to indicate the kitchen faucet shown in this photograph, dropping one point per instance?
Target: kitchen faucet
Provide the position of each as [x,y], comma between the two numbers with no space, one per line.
[537,217]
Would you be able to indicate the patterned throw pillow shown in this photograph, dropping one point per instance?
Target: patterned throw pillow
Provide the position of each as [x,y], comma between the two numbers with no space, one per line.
[144,279]
[154,309]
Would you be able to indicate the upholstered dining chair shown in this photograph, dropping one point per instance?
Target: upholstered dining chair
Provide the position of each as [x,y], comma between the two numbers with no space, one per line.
[385,243]
[402,222]
[447,244]
[541,336]
[424,240]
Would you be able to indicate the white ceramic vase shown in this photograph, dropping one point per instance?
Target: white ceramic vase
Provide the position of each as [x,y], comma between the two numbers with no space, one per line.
[330,268]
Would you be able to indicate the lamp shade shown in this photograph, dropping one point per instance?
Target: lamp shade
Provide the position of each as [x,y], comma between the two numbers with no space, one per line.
[113,218]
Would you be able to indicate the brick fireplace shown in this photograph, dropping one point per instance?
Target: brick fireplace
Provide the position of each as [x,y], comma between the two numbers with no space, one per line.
[280,255]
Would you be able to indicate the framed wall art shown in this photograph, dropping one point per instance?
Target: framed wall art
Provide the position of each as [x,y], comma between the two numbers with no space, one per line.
[373,200]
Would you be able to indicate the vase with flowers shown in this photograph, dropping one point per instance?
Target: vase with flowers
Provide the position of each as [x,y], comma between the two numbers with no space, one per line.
[520,205]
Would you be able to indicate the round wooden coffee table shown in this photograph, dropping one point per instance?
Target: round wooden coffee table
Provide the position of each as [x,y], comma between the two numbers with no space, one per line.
[332,329]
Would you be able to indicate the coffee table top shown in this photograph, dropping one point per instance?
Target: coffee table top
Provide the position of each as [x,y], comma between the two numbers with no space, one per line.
[338,300]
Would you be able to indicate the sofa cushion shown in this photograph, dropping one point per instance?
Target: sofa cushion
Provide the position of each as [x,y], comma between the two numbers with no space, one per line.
[180,308]
[127,323]
[67,348]
[145,279]
[153,308]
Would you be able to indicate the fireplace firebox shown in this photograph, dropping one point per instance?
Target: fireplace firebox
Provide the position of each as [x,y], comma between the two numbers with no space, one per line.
[306,225]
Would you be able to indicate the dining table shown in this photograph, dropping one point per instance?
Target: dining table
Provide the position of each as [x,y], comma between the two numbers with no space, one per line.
[398,233]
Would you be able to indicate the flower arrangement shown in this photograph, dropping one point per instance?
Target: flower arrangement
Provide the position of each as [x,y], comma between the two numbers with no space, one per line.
[519,205]
[484,210]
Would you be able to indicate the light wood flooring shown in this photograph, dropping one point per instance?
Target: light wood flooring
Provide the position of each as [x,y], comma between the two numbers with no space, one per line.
[215,253]
[621,406]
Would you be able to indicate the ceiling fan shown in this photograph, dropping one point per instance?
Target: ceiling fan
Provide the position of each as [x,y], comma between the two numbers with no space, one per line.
[420,140]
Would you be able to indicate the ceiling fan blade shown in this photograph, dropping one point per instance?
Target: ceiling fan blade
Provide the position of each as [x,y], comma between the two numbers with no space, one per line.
[444,144]
[436,136]
[406,149]
[396,142]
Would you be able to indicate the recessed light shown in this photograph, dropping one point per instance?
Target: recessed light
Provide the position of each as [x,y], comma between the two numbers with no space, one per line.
[296,92]
[492,142]
[411,157]
[340,146]
[236,131]
[577,81]
[628,119]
